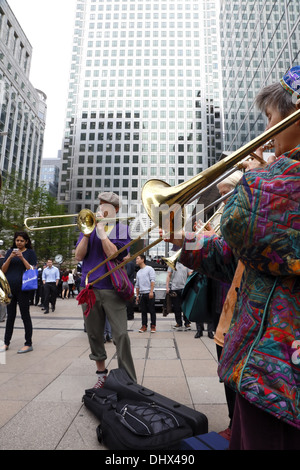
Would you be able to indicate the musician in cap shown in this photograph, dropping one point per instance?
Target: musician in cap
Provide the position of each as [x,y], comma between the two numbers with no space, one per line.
[105,240]
[261,226]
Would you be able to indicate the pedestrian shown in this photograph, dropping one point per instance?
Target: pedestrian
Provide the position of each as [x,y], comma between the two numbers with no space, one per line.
[71,284]
[19,258]
[65,284]
[51,278]
[175,282]
[260,226]
[145,295]
[3,308]
[130,269]
[91,250]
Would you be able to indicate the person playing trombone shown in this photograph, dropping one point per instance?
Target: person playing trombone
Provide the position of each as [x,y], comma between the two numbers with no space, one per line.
[93,249]
[261,226]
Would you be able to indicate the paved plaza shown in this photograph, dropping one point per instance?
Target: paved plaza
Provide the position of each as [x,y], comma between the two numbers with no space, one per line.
[41,392]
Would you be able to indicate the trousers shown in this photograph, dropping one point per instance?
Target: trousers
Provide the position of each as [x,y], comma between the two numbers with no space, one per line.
[148,305]
[176,303]
[50,290]
[22,299]
[109,304]
[255,429]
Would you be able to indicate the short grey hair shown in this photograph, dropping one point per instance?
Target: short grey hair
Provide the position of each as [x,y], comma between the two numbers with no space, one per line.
[231,180]
[276,97]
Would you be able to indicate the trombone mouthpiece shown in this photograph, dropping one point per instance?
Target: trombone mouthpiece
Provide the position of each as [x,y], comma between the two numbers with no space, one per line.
[269,145]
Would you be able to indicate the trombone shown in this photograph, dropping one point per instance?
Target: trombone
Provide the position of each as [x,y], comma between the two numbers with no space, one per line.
[86,221]
[156,193]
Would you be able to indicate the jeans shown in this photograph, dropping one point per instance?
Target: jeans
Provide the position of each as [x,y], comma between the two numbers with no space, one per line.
[22,299]
[176,303]
[148,305]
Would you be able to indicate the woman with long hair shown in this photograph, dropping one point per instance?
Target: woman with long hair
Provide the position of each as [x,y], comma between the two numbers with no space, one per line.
[19,258]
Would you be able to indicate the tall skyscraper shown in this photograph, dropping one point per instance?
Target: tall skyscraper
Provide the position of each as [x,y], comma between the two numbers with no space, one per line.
[144,98]
[22,107]
[260,41]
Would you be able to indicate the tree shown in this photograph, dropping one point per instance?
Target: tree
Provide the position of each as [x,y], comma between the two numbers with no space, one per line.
[18,201]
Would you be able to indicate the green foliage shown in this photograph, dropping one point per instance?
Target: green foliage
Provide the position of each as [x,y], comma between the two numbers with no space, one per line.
[18,201]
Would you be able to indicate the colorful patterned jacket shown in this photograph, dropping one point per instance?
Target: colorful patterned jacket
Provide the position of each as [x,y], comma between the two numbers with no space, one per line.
[261,226]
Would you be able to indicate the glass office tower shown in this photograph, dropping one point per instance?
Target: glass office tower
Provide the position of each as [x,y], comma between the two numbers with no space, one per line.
[260,41]
[144,98]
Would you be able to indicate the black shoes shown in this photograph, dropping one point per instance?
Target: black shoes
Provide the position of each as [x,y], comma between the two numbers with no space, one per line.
[198,334]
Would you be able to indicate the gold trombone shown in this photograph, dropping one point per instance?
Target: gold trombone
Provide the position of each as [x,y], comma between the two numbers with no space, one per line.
[86,221]
[157,193]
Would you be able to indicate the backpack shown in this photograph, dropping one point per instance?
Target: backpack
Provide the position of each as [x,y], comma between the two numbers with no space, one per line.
[131,425]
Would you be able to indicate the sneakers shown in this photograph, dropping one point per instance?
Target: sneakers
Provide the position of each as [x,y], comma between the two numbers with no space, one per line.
[188,326]
[101,379]
[177,327]
[153,329]
[143,329]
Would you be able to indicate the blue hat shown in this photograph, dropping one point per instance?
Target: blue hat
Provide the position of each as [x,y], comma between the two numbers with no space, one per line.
[291,81]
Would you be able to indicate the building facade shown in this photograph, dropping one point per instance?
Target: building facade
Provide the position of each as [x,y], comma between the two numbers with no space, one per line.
[50,170]
[144,98]
[22,107]
[260,41]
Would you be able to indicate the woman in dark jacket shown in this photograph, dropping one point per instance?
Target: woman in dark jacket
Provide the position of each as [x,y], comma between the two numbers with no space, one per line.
[19,258]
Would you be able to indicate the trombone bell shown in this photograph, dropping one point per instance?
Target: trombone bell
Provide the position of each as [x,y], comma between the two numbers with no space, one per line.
[86,221]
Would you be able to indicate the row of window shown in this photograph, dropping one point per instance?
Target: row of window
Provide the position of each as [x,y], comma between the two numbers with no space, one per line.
[134,159]
[144,171]
[153,147]
[136,136]
[11,39]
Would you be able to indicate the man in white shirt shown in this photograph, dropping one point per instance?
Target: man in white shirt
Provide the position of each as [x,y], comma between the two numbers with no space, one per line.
[174,285]
[145,296]
[50,279]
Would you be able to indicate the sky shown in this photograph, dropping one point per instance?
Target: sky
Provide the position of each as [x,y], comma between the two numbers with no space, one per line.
[48,25]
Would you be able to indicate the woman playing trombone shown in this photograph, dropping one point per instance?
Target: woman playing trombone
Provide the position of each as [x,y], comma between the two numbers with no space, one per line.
[261,226]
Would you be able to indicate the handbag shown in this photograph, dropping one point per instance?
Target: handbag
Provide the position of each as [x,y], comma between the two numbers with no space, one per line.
[30,280]
[120,281]
[195,298]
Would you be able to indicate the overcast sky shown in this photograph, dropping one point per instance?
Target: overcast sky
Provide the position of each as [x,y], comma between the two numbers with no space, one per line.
[48,25]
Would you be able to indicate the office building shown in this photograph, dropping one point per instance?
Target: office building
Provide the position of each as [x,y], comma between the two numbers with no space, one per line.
[260,41]
[144,98]
[22,107]
[50,170]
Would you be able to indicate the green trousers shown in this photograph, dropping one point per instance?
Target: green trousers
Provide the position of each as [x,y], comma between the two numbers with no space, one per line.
[109,304]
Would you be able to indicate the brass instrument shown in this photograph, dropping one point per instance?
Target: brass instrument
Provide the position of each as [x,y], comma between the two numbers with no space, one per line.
[5,292]
[269,145]
[86,221]
[157,193]
[216,218]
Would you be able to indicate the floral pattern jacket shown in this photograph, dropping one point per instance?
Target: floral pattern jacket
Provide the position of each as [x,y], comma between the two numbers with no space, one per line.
[261,226]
